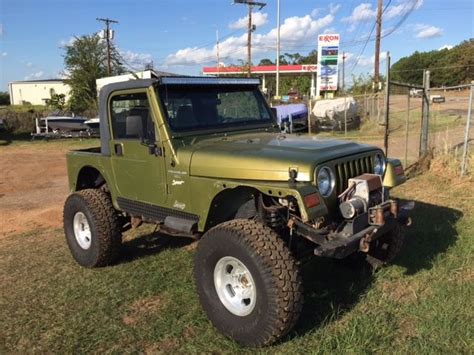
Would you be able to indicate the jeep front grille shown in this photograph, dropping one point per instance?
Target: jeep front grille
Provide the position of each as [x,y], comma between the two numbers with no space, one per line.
[352,168]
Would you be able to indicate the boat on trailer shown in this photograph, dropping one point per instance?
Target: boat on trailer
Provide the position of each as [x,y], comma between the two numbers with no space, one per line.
[93,124]
[65,123]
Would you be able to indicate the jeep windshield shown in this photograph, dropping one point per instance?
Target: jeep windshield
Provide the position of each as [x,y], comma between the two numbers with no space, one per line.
[214,107]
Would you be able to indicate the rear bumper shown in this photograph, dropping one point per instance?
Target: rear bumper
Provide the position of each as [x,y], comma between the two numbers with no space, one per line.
[343,243]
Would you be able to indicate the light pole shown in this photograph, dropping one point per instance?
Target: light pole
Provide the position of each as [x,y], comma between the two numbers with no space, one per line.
[278,51]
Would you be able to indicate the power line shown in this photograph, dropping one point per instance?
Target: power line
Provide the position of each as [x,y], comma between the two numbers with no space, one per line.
[367,40]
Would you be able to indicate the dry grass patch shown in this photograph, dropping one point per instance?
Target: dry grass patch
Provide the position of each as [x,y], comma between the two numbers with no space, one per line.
[143,307]
[166,346]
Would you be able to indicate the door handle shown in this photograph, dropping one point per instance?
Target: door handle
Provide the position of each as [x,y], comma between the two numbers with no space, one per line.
[118,149]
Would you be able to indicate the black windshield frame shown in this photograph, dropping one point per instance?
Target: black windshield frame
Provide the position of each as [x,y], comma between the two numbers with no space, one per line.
[170,94]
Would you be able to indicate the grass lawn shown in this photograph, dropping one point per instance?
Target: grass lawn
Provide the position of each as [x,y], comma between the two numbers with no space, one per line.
[147,302]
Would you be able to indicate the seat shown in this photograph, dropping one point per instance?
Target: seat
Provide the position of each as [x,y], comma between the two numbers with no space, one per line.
[185,117]
[134,126]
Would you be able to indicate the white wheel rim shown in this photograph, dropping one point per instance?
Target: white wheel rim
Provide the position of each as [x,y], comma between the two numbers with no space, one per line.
[82,231]
[235,286]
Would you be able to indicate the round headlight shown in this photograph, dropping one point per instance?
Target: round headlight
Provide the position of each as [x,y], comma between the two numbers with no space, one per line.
[379,164]
[325,181]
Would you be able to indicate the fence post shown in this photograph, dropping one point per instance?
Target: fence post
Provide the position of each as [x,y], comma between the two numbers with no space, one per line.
[387,103]
[406,128]
[366,105]
[378,107]
[345,115]
[309,116]
[425,113]
[466,134]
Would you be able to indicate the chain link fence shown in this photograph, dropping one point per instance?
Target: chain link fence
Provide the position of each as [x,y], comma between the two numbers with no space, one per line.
[421,120]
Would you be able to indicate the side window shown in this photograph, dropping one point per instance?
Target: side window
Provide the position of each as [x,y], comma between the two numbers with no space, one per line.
[131,117]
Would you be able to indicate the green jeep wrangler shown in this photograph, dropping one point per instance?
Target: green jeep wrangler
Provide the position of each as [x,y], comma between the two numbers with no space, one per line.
[204,158]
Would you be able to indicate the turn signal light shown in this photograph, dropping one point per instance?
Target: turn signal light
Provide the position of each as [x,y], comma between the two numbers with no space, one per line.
[399,170]
[311,200]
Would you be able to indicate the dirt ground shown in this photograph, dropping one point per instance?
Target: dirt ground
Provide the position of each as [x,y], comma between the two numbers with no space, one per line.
[33,187]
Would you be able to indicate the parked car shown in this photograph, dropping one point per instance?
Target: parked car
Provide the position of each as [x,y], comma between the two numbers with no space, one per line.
[416,92]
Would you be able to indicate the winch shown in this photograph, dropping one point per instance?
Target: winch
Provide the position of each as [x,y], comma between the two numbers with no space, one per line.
[364,191]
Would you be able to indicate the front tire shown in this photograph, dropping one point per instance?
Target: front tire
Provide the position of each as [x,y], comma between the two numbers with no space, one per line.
[388,246]
[92,228]
[248,283]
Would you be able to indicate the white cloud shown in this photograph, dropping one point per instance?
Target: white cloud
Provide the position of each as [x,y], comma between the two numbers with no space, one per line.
[402,8]
[67,42]
[37,75]
[136,60]
[316,12]
[330,30]
[258,19]
[293,32]
[366,12]
[426,31]
[333,8]
[3,54]
[446,46]
[29,64]
[365,61]
[362,12]
[1,29]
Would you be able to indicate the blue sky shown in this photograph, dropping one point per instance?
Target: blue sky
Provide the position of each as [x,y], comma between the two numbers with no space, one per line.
[179,35]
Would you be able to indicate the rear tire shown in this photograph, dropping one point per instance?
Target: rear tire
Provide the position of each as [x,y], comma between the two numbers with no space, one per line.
[248,282]
[92,228]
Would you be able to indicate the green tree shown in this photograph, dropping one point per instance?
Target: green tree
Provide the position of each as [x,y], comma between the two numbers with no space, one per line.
[4,98]
[311,58]
[57,101]
[85,60]
[266,61]
[448,66]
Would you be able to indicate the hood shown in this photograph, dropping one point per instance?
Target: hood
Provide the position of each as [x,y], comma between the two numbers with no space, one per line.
[266,156]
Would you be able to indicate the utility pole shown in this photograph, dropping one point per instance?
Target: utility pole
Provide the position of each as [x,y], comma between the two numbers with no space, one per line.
[377,44]
[250,29]
[217,49]
[387,105]
[278,51]
[249,43]
[343,72]
[107,22]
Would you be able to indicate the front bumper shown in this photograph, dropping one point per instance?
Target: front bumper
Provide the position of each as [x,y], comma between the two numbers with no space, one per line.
[358,233]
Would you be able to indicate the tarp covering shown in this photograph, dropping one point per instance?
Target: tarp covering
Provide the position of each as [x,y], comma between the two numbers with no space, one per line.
[334,109]
[295,110]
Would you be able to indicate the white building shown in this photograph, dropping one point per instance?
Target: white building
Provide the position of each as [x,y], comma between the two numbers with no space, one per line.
[36,92]
[146,74]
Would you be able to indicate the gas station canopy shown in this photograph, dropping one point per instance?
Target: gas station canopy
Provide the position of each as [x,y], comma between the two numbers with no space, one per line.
[268,70]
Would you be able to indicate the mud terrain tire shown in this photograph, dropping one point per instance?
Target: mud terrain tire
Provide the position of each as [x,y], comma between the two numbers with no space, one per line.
[388,246]
[261,256]
[92,228]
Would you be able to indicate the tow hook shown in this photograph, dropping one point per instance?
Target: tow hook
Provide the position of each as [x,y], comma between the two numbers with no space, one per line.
[403,217]
[364,244]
